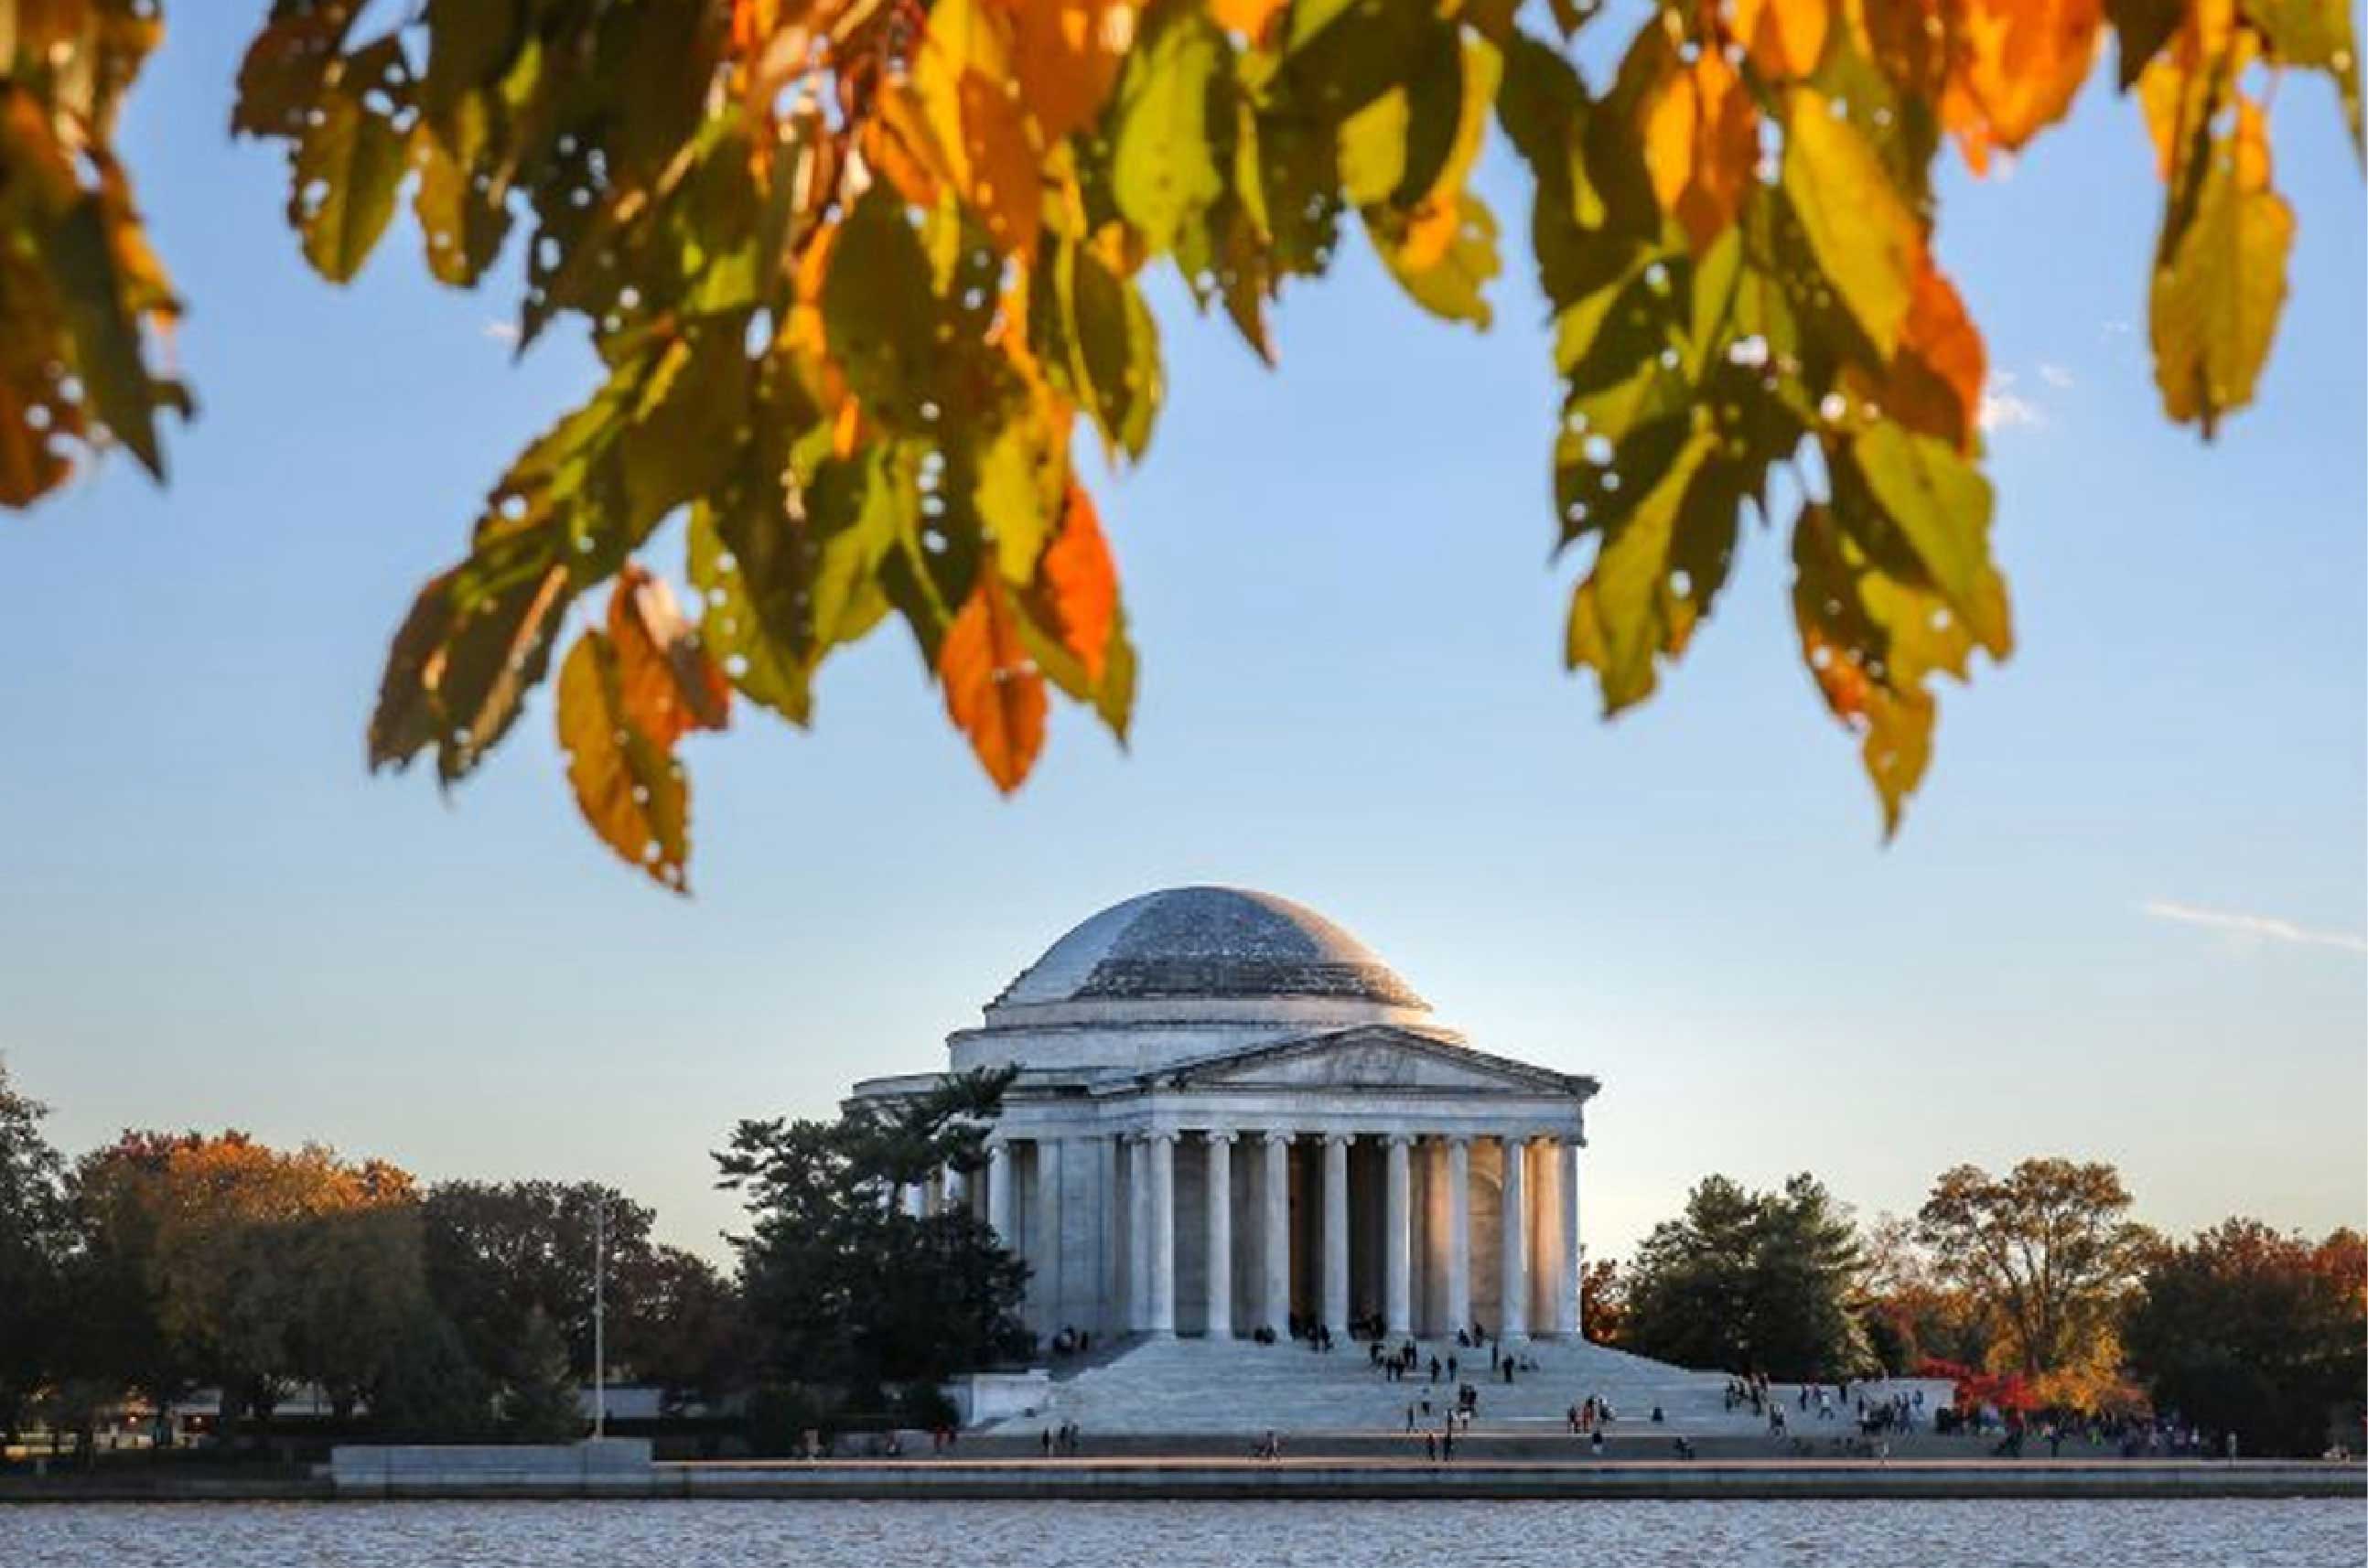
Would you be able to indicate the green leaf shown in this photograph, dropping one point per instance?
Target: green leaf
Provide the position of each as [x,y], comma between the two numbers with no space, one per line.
[879,312]
[2143,26]
[1116,346]
[469,45]
[461,666]
[1654,577]
[349,166]
[1940,504]
[1863,235]
[106,337]
[1164,166]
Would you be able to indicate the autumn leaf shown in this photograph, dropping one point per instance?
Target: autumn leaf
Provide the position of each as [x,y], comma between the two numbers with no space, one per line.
[2216,301]
[963,79]
[628,786]
[2019,64]
[1701,144]
[666,683]
[1785,38]
[348,166]
[1074,594]
[994,694]
[1163,168]
[1935,380]
[1065,56]
[1865,237]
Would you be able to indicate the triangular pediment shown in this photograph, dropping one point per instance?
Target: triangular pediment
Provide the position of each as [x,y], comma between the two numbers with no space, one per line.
[1374,1056]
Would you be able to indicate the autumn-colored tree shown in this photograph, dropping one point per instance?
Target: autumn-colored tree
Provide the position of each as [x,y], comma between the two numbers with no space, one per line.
[856,270]
[1603,1301]
[2248,1330]
[2049,1250]
[257,1267]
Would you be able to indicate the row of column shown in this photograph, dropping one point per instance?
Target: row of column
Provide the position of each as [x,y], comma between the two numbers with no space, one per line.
[1151,1229]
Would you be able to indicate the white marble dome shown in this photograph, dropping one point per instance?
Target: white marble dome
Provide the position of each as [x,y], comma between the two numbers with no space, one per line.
[1170,975]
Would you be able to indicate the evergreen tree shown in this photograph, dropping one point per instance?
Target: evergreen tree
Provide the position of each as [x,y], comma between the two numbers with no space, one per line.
[1750,1281]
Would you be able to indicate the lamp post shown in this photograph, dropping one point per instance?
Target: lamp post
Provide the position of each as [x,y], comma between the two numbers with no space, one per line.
[600,1316]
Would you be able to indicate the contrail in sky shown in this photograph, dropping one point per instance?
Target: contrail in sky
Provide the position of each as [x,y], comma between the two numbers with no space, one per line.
[2263,925]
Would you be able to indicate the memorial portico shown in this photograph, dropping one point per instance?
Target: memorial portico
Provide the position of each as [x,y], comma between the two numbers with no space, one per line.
[1230,1117]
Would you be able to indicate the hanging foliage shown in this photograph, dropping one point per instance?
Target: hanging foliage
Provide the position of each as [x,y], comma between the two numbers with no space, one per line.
[858,271]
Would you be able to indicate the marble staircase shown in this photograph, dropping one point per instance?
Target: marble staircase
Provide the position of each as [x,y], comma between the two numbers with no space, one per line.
[1194,1386]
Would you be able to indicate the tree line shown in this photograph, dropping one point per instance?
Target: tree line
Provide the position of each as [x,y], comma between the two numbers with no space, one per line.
[162,1264]
[165,1264]
[2035,1290]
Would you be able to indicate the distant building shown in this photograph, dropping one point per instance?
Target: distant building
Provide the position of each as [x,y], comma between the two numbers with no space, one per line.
[1231,1115]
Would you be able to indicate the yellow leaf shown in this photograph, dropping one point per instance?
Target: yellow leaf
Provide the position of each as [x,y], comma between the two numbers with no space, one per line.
[993,692]
[630,790]
[2216,301]
[1701,144]
[1865,237]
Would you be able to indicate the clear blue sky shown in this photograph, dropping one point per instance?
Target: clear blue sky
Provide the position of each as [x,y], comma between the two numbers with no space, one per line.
[1352,696]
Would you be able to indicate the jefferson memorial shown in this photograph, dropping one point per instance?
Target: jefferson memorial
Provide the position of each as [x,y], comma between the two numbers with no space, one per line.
[1230,1115]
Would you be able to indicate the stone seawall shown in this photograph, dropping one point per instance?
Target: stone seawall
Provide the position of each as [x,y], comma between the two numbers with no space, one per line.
[1086,1481]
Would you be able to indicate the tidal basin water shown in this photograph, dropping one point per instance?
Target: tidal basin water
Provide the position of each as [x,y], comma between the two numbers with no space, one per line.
[1182,1535]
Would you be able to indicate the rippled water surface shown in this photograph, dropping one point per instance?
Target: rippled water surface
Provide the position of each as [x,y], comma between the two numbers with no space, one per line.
[2072,1534]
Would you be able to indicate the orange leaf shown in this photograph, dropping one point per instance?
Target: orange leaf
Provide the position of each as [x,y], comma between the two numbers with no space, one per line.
[2016,68]
[1786,38]
[963,78]
[666,683]
[1075,590]
[1936,377]
[994,693]
[1066,55]
[1700,144]
[1251,18]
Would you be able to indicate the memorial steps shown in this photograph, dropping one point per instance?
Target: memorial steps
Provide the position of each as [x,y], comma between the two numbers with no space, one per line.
[1192,1386]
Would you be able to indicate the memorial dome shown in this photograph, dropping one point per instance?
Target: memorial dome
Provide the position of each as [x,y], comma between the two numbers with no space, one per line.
[1206,943]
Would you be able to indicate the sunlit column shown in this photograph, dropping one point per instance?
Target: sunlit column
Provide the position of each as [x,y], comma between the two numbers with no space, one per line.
[1567,1322]
[1138,1235]
[1397,1242]
[1459,1233]
[1513,1292]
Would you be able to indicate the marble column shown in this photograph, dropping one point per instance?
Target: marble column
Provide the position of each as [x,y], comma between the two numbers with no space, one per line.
[916,1199]
[1161,1321]
[1138,1235]
[1335,1232]
[954,1187]
[1221,1235]
[1573,1259]
[1044,1236]
[1275,1235]
[1459,1234]
[1513,1293]
[1398,1241]
[998,1191]
[1110,1314]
